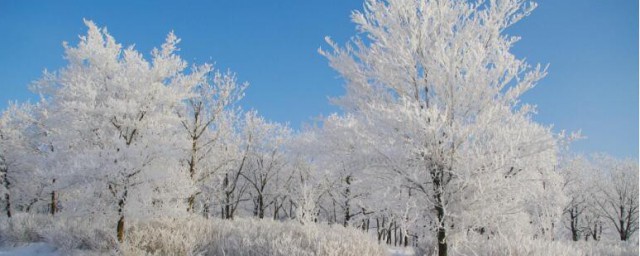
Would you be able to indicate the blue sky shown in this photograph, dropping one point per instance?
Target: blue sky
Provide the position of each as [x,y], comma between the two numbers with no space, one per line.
[591,46]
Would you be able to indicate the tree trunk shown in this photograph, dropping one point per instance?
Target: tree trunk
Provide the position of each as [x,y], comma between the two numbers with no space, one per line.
[574,229]
[7,197]
[226,212]
[191,201]
[54,204]
[227,209]
[368,221]
[347,192]
[379,230]
[442,242]
[120,229]
[441,231]
[54,199]
[623,231]
[406,241]
[260,206]
[276,209]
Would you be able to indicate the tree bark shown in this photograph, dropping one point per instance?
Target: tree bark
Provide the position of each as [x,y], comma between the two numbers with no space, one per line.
[442,235]
[260,206]
[120,226]
[191,201]
[120,229]
[54,204]
[347,192]
[574,229]
[441,232]
[7,197]
[54,199]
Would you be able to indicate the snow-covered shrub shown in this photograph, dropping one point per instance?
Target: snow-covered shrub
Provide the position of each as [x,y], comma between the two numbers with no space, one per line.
[192,235]
[519,245]
[69,235]
[22,228]
[199,236]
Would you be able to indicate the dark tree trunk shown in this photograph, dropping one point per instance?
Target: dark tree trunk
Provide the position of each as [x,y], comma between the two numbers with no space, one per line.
[395,235]
[191,202]
[379,229]
[227,209]
[623,231]
[442,242]
[120,227]
[54,200]
[441,232]
[192,162]
[226,212]
[260,206]
[7,195]
[573,224]
[368,225]
[406,241]
[347,195]
[7,206]
[54,204]
[276,208]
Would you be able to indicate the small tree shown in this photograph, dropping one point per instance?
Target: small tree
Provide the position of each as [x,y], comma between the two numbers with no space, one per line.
[23,182]
[617,194]
[265,171]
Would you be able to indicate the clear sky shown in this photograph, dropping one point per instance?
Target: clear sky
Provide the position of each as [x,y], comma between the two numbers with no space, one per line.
[591,46]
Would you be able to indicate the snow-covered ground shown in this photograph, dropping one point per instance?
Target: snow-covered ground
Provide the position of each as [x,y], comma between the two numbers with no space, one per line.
[401,251]
[40,249]
[44,249]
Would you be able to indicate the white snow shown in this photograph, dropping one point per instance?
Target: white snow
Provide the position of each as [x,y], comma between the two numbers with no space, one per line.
[401,251]
[41,249]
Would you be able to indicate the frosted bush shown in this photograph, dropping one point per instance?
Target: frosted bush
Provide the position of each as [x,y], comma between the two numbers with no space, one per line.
[69,235]
[190,236]
[519,245]
[199,236]
[22,228]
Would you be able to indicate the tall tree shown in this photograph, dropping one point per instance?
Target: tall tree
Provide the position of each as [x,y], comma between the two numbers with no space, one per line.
[113,115]
[439,89]
[206,120]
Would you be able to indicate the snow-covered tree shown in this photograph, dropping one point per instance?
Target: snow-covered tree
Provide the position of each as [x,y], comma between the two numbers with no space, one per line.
[438,88]
[206,120]
[581,216]
[616,194]
[337,149]
[603,197]
[113,124]
[23,184]
[266,169]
